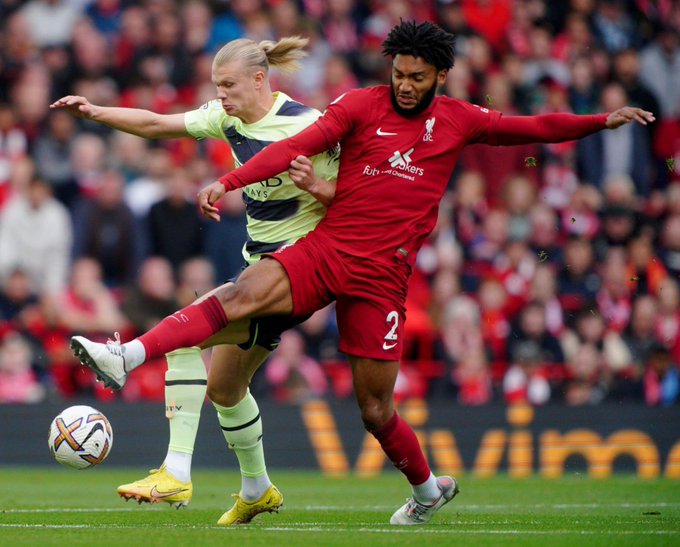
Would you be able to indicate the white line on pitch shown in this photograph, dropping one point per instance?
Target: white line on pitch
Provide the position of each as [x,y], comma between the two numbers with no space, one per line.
[394,530]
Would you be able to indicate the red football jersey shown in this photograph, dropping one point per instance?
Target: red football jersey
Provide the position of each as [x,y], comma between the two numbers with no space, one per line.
[393,169]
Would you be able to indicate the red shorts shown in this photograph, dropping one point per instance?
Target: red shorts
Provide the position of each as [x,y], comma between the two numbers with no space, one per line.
[370,295]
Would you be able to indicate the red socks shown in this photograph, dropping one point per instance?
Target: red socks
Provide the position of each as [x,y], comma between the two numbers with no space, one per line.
[400,443]
[185,328]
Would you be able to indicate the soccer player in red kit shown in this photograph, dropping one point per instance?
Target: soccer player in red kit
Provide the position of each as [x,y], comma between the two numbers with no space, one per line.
[399,144]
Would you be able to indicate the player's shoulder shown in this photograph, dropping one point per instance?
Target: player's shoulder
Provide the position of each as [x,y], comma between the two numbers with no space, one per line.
[457,104]
[286,106]
[362,96]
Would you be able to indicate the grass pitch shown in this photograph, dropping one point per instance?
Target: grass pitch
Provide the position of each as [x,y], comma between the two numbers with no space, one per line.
[57,506]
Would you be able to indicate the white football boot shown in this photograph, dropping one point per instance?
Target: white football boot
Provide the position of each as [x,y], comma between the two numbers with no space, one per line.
[107,361]
[413,512]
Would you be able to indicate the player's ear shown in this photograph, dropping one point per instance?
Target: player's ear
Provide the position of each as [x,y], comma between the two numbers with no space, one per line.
[441,76]
[259,77]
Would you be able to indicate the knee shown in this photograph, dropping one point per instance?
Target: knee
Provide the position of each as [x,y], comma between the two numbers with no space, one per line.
[225,396]
[375,413]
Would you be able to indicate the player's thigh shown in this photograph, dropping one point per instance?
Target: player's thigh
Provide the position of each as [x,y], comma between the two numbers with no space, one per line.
[374,388]
[261,289]
[230,373]
[237,332]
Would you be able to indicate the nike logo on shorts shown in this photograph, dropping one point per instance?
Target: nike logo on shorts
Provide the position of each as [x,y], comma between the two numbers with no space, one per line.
[387,346]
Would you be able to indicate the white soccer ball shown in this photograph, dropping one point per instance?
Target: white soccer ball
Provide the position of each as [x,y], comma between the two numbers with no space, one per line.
[80,437]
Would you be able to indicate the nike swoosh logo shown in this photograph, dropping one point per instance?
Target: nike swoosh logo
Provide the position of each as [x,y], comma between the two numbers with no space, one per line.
[384,133]
[158,495]
[387,346]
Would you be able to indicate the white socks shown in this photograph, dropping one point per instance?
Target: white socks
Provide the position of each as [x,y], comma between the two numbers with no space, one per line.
[178,465]
[135,354]
[427,492]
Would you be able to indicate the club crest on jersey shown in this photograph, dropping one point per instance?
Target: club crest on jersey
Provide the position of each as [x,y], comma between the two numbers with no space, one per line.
[429,127]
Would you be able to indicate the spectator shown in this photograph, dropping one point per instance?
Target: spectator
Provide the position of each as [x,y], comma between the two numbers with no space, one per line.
[175,227]
[590,328]
[36,237]
[614,298]
[667,327]
[660,70]
[627,72]
[196,278]
[604,155]
[670,243]
[460,330]
[544,236]
[141,193]
[293,376]
[530,330]
[543,289]
[494,324]
[645,270]
[18,299]
[661,379]
[584,377]
[152,297]
[13,147]
[88,160]
[86,305]
[640,334]
[613,26]
[106,230]
[52,153]
[472,378]
[51,22]
[584,91]
[18,382]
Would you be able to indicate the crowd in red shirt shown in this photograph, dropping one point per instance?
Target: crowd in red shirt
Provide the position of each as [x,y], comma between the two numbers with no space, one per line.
[552,274]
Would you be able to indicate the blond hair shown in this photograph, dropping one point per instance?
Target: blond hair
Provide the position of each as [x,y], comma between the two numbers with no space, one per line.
[284,54]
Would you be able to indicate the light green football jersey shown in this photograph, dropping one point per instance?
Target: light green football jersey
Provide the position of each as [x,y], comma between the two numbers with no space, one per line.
[278,212]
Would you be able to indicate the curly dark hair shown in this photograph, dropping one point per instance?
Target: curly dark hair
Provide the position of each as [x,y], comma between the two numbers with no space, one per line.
[426,40]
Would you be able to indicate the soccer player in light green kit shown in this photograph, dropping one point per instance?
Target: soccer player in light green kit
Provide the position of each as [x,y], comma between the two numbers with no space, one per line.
[249,116]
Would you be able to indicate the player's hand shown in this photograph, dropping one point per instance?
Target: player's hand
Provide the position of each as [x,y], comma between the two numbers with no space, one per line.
[76,105]
[628,114]
[301,172]
[207,198]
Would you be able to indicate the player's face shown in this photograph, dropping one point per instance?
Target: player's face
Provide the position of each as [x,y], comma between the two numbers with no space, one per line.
[414,83]
[237,89]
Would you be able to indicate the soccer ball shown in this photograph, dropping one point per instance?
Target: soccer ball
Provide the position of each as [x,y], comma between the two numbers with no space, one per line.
[80,437]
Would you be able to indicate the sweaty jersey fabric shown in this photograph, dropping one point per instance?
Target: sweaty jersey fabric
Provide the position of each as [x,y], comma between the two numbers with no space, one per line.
[278,213]
[394,170]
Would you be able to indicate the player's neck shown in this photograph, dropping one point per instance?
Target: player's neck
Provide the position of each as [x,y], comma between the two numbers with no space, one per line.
[260,108]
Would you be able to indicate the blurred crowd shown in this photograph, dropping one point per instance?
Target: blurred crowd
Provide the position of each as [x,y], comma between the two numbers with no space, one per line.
[552,275]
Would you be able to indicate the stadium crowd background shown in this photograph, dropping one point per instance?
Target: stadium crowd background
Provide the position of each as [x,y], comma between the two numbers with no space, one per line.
[552,275]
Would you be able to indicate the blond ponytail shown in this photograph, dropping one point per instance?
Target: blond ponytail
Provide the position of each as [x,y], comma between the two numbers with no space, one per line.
[284,54]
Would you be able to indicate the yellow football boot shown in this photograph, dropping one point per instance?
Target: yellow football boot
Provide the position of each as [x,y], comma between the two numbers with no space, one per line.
[160,485]
[243,511]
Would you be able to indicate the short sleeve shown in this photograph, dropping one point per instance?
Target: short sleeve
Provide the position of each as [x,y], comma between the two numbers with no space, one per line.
[206,121]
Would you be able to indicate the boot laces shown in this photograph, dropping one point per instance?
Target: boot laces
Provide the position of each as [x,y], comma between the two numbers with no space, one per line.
[115,346]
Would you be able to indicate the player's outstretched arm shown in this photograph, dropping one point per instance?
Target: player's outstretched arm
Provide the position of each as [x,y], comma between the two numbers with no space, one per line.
[301,172]
[561,127]
[137,121]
